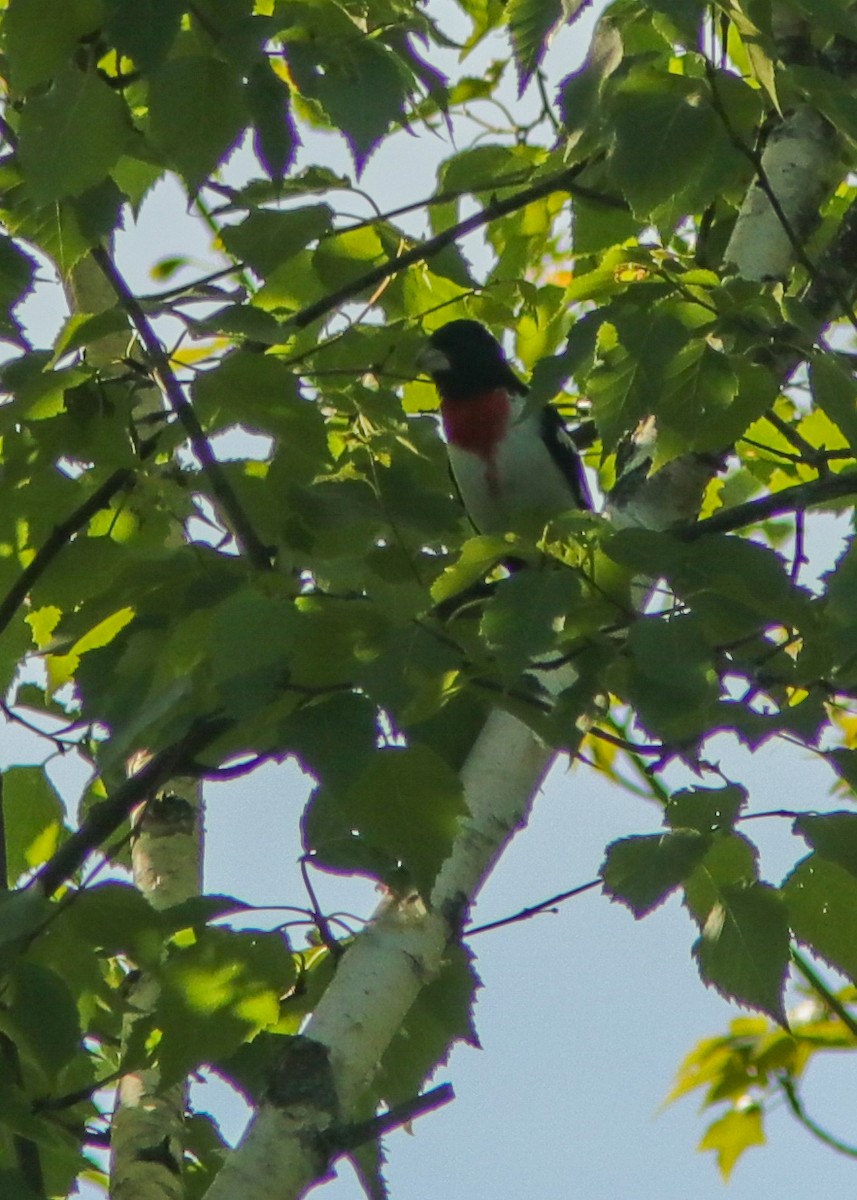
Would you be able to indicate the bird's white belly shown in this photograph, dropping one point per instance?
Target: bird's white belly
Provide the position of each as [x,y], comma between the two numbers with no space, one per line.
[521,478]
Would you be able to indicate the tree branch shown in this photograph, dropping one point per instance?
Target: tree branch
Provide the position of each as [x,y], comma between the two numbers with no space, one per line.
[245,535]
[560,182]
[105,818]
[349,1137]
[62,534]
[789,500]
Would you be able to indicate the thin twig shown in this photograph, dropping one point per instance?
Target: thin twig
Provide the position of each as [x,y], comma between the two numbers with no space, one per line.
[631,747]
[60,537]
[823,991]
[787,1086]
[245,535]
[319,919]
[422,251]
[546,906]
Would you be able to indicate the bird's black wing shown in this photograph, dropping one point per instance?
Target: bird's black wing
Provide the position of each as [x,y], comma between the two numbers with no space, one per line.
[564,452]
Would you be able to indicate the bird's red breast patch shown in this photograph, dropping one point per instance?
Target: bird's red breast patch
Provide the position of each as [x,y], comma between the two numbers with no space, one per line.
[477,423]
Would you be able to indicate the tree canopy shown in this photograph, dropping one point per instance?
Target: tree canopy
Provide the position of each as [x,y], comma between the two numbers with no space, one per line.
[671,239]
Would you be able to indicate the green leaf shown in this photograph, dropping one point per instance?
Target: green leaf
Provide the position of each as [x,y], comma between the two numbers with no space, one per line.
[731,582]
[275,137]
[42,1018]
[835,392]
[360,87]
[406,807]
[845,764]
[522,617]
[580,93]
[744,948]
[333,737]
[730,1135]
[660,118]
[196,114]
[34,819]
[832,836]
[82,329]
[531,23]
[707,810]
[251,636]
[143,30]
[700,390]
[478,555]
[115,918]
[216,993]
[673,682]
[40,35]
[260,393]
[266,239]
[640,872]
[628,382]
[731,862]
[17,270]
[72,135]
[21,914]
[821,897]
[441,1015]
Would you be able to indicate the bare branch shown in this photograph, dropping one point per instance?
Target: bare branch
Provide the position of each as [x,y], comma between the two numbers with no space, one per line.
[105,818]
[546,906]
[350,1137]
[790,500]
[247,538]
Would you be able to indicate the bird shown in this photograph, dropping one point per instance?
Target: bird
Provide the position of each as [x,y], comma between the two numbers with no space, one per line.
[509,458]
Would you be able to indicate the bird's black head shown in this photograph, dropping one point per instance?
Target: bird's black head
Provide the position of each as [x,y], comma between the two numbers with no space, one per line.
[465,360]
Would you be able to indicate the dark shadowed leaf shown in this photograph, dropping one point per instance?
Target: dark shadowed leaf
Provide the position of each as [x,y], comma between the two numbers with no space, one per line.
[72,135]
[744,948]
[267,239]
[361,89]
[33,818]
[531,23]
[831,835]
[731,862]
[441,1015]
[406,808]
[42,1016]
[640,872]
[821,897]
[197,111]
[705,809]
[144,30]
[275,137]
[40,36]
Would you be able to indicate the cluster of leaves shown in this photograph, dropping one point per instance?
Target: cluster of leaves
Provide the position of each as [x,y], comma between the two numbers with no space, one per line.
[321,615]
[756,1066]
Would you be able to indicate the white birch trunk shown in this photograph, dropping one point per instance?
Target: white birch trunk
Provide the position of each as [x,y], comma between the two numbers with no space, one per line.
[146,1140]
[382,973]
[800,164]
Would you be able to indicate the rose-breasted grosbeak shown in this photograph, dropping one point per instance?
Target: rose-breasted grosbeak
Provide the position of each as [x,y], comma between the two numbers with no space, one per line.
[507,458]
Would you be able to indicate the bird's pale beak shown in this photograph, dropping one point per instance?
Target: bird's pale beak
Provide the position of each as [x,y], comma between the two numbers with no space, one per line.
[430,360]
